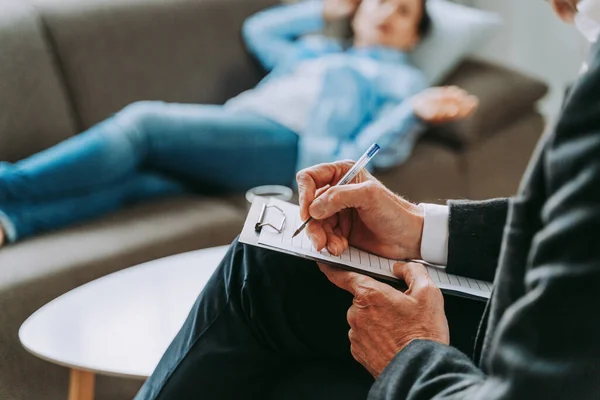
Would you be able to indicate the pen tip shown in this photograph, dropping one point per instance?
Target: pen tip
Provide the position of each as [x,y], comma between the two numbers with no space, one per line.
[295,233]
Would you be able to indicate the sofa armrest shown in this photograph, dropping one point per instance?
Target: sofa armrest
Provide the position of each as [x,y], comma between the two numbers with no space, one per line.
[504,95]
[114,52]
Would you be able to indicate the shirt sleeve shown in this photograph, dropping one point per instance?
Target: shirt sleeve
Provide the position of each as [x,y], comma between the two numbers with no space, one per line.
[395,128]
[396,131]
[434,242]
[270,35]
[475,237]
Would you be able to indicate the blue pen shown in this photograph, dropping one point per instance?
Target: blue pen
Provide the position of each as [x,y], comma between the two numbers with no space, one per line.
[351,174]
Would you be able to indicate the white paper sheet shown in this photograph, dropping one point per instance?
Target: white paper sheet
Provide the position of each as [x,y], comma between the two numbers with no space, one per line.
[353,257]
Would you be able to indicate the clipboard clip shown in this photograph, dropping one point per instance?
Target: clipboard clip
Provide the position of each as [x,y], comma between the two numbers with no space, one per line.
[260,223]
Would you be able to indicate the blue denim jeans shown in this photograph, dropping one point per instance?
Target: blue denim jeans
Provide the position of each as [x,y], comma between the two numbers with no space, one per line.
[147,150]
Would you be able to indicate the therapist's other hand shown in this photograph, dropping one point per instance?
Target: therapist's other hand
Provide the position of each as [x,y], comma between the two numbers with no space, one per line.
[439,105]
[364,213]
[383,320]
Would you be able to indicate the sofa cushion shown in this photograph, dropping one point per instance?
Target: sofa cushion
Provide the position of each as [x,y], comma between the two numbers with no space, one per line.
[34,111]
[494,167]
[139,233]
[115,52]
[504,96]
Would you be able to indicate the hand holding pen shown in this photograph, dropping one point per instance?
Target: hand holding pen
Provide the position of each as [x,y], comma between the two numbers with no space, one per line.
[350,175]
[363,213]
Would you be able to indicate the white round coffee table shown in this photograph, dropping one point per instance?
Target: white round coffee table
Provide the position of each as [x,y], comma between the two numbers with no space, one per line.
[122,323]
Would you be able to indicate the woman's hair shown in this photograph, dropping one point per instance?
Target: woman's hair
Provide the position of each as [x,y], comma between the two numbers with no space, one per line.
[342,29]
[425,22]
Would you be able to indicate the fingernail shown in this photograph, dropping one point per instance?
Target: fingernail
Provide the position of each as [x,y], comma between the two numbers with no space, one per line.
[317,209]
[332,248]
[338,250]
[314,243]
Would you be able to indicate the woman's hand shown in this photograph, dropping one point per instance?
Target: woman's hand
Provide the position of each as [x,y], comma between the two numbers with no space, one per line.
[364,213]
[438,105]
[337,9]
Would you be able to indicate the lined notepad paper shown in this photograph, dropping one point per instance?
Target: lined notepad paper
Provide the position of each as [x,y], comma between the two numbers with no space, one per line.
[355,258]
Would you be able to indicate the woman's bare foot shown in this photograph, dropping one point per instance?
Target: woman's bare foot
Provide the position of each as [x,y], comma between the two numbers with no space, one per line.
[439,105]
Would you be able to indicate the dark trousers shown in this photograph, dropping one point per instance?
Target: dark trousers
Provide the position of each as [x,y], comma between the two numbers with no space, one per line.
[268,325]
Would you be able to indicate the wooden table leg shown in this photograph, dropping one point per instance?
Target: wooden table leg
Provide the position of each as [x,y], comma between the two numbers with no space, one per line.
[81,385]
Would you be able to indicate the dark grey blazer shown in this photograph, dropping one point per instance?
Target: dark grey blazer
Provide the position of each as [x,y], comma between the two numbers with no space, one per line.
[540,337]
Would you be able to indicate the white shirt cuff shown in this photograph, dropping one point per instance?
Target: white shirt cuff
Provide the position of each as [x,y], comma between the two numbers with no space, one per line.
[434,242]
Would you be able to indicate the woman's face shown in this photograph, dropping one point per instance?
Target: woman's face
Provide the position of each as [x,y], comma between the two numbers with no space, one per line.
[390,23]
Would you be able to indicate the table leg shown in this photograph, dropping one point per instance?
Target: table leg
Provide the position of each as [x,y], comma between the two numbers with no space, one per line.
[81,385]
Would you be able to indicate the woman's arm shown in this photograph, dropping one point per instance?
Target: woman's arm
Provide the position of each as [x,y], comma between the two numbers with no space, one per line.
[396,128]
[397,123]
[270,35]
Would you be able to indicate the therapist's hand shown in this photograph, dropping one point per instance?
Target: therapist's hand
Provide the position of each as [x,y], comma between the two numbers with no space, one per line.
[364,213]
[383,320]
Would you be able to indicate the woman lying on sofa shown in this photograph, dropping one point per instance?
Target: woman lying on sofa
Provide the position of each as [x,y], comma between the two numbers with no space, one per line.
[320,102]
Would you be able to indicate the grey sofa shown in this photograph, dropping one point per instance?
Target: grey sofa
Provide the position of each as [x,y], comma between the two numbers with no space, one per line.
[67,64]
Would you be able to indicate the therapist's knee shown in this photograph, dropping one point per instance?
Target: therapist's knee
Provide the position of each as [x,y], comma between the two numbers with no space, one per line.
[251,265]
[270,272]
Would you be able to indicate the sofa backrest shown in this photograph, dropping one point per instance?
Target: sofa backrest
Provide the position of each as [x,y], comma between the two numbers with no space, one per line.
[114,52]
[34,109]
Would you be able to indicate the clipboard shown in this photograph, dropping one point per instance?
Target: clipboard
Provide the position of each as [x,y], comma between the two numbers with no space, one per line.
[259,217]
[268,214]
